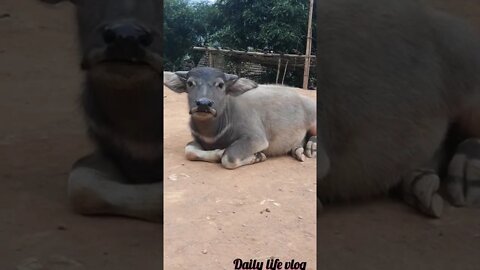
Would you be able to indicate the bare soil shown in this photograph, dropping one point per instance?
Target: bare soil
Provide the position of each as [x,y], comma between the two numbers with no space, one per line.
[214,215]
[41,135]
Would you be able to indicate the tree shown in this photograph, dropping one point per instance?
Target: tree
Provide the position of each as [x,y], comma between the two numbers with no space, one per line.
[179,34]
[187,24]
[279,25]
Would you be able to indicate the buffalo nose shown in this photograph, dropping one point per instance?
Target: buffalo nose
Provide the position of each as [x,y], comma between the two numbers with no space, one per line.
[204,102]
[127,32]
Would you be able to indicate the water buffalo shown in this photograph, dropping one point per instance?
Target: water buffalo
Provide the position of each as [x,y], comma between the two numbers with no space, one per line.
[398,92]
[237,122]
[122,100]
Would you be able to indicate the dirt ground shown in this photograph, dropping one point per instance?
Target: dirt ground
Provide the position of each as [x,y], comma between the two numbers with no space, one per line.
[212,216]
[41,135]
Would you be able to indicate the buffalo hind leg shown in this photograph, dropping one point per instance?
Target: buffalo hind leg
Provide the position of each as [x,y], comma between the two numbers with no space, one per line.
[194,152]
[420,189]
[462,185]
[298,153]
[245,151]
[95,187]
[309,149]
[311,144]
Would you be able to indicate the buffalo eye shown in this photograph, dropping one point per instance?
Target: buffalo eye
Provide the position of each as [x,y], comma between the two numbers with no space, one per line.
[220,85]
[189,83]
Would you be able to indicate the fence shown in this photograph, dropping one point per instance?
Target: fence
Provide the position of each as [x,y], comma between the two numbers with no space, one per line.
[263,67]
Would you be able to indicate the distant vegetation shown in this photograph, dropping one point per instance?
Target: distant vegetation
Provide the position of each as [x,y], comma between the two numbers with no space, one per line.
[279,26]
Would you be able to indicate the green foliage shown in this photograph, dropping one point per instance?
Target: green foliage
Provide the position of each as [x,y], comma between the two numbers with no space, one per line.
[279,25]
[179,34]
[186,24]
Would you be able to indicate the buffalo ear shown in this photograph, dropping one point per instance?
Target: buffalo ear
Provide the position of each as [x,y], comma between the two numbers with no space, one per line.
[177,82]
[182,74]
[237,86]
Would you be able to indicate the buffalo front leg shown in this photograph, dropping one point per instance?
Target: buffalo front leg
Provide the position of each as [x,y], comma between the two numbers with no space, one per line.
[95,187]
[462,185]
[194,152]
[245,151]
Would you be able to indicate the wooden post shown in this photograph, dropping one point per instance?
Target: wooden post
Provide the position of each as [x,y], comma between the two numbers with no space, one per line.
[238,68]
[210,58]
[278,69]
[306,72]
[285,72]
